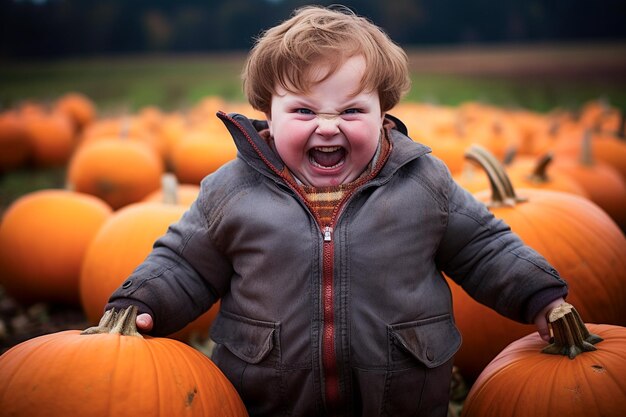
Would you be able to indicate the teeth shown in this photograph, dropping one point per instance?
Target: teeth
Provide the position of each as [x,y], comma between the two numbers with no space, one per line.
[328,148]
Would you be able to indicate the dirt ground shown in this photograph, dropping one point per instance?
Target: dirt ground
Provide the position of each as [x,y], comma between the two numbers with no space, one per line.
[19,323]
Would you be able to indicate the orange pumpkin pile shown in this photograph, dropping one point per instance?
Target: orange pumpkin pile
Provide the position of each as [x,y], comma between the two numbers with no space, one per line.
[575,235]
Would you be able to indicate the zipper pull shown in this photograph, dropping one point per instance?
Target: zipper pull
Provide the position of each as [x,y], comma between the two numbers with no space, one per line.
[328,234]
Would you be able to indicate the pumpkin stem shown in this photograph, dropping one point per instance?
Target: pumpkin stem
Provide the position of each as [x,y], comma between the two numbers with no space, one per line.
[539,174]
[621,129]
[509,155]
[116,322]
[571,336]
[170,188]
[586,152]
[502,192]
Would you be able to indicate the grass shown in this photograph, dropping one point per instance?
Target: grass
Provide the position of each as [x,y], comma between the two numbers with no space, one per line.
[125,84]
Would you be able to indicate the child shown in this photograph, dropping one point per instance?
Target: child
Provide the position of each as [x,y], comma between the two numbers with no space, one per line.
[325,238]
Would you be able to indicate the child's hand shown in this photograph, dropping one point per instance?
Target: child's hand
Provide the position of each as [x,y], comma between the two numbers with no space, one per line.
[144,323]
[541,321]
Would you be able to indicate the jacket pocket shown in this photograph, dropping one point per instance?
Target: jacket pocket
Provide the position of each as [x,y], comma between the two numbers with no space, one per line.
[247,351]
[432,341]
[417,381]
[249,340]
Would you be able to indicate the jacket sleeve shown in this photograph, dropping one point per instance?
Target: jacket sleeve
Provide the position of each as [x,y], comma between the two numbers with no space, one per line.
[181,278]
[491,263]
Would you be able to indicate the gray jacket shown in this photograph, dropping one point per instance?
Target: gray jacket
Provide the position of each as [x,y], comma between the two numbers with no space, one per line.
[354,319]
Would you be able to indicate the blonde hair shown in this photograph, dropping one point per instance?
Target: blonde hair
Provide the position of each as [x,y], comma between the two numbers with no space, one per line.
[286,54]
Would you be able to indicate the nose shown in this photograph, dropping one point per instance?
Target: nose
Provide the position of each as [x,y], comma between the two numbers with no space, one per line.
[327,124]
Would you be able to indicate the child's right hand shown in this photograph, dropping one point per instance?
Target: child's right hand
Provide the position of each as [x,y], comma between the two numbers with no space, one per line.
[144,323]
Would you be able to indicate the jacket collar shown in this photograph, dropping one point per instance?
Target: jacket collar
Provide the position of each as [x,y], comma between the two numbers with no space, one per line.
[253,149]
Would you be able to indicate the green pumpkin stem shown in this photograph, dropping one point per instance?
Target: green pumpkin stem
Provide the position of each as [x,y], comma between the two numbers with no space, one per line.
[121,322]
[502,191]
[571,336]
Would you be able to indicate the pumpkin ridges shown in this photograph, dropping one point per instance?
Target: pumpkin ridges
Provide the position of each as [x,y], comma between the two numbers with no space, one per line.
[123,254]
[119,172]
[99,375]
[602,182]
[552,377]
[538,233]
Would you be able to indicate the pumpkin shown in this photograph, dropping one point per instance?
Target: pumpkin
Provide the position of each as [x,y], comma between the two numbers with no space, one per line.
[43,238]
[52,137]
[581,374]
[78,107]
[119,247]
[606,148]
[111,370]
[16,148]
[537,176]
[201,152]
[124,128]
[119,172]
[575,235]
[532,127]
[524,172]
[603,183]
[599,115]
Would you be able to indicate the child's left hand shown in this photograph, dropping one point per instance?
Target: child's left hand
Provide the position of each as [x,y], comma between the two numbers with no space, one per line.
[541,320]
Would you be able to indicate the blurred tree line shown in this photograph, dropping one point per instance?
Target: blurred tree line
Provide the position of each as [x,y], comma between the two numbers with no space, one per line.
[53,28]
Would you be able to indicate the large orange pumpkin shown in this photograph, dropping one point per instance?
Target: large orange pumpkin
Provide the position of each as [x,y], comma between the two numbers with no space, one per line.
[201,152]
[575,235]
[43,238]
[120,246]
[112,370]
[119,172]
[579,380]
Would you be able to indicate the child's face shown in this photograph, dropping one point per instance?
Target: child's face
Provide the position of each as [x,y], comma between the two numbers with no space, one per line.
[327,136]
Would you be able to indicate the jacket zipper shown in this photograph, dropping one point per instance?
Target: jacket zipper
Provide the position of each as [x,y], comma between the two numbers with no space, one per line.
[329,356]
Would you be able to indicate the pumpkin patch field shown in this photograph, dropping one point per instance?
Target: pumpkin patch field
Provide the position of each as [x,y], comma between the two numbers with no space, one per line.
[88,180]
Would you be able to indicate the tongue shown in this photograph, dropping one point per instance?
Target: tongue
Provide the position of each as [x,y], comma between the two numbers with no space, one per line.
[327,159]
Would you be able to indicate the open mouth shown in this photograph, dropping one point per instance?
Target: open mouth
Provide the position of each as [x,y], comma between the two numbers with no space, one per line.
[327,156]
